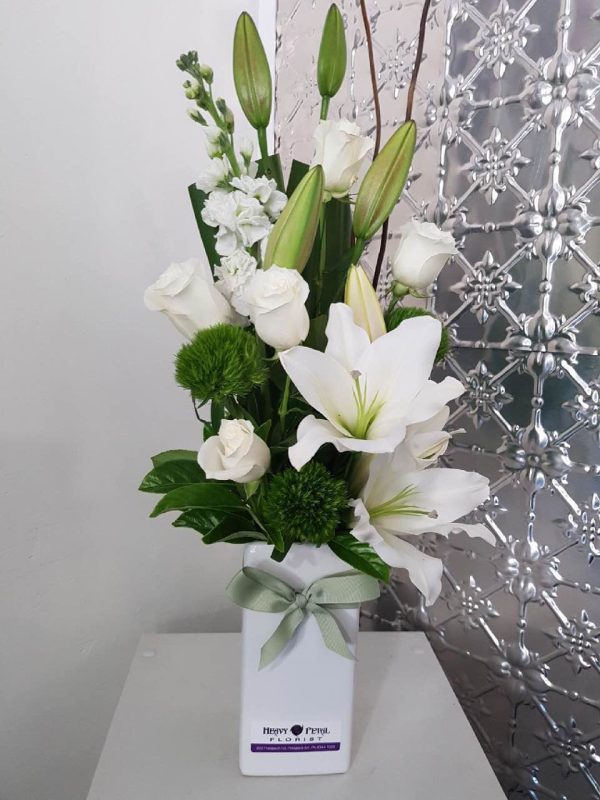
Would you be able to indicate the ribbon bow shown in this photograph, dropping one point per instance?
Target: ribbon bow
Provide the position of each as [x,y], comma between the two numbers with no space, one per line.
[260,591]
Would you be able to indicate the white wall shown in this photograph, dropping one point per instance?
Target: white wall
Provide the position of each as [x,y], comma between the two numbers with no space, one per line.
[96,152]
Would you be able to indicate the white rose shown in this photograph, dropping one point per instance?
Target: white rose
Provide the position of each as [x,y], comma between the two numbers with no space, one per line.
[341,151]
[276,298]
[241,220]
[186,293]
[214,176]
[232,275]
[236,454]
[423,251]
[265,191]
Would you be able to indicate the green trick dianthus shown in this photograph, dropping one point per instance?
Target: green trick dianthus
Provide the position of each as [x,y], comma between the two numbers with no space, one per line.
[306,505]
[220,362]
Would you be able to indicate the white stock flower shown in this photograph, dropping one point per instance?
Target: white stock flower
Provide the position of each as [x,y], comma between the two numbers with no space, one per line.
[341,150]
[215,176]
[275,299]
[186,293]
[424,249]
[246,148]
[213,140]
[233,275]
[398,500]
[368,392]
[236,454]
[265,191]
[241,220]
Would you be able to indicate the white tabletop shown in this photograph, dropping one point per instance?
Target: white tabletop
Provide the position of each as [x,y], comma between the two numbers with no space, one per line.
[174,735]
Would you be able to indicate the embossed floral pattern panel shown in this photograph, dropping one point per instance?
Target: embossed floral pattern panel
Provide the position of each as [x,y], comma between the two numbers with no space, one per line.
[508,108]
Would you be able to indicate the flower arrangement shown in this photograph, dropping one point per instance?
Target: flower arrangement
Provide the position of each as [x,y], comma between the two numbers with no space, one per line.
[321,423]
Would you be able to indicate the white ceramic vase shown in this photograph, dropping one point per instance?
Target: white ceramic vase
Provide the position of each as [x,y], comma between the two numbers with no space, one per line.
[296,713]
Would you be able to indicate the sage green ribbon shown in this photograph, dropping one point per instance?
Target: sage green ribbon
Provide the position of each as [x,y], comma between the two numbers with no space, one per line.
[257,590]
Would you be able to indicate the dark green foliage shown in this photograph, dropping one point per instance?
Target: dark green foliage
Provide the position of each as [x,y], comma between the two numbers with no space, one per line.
[360,555]
[305,506]
[399,314]
[221,362]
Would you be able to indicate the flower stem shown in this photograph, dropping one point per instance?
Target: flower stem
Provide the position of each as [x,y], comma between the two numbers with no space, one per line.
[357,250]
[322,254]
[262,142]
[283,406]
[324,107]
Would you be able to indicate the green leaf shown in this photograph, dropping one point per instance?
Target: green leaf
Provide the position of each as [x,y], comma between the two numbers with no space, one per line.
[207,234]
[172,474]
[200,520]
[271,168]
[263,430]
[316,338]
[174,455]
[338,231]
[297,172]
[210,496]
[279,555]
[360,555]
[276,539]
[232,531]
[384,181]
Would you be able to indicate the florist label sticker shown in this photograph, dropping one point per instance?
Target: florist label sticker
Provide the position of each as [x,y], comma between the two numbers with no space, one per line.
[295,737]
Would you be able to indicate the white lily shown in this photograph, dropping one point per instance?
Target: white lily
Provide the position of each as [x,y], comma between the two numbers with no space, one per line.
[398,500]
[368,392]
[427,441]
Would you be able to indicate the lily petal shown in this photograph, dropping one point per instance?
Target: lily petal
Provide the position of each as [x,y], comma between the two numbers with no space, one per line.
[475,530]
[324,384]
[448,494]
[346,341]
[399,363]
[433,397]
[312,434]
[423,570]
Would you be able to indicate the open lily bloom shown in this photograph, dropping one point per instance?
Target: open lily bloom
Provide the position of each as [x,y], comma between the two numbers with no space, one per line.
[398,500]
[368,392]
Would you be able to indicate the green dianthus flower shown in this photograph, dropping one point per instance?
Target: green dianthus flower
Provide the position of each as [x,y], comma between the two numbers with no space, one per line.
[220,362]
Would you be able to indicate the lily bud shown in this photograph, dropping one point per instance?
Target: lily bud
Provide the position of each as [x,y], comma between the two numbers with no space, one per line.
[362,299]
[293,234]
[251,73]
[384,181]
[331,66]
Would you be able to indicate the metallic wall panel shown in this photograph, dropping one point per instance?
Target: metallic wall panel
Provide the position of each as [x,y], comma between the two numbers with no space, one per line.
[509,159]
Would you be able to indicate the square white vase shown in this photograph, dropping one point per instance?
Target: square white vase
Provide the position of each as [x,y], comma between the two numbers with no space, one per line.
[296,713]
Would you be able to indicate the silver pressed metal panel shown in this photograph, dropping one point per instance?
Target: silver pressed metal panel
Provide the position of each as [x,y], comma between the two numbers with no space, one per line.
[508,108]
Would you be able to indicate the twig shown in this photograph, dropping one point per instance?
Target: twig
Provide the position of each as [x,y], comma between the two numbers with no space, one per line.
[365,16]
[418,58]
[409,106]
